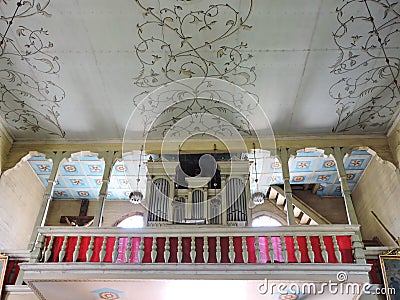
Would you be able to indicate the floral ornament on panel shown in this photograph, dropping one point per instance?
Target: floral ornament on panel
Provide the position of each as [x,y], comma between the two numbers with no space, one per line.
[329,164]
[367,92]
[26,102]
[178,42]
[70,168]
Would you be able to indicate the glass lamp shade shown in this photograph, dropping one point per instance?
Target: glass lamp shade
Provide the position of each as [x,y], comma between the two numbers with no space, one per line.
[258,197]
[135,197]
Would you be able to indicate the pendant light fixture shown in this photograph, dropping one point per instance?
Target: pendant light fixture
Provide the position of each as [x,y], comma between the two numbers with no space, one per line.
[136,196]
[257,197]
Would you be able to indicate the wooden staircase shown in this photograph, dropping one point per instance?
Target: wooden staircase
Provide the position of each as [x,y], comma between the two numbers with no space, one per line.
[304,214]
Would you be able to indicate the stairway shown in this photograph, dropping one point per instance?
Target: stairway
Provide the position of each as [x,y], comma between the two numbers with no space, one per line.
[304,214]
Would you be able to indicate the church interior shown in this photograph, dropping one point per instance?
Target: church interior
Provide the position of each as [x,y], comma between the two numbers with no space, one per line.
[166,149]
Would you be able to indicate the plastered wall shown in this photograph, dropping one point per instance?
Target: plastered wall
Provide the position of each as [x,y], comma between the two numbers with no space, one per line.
[58,208]
[332,208]
[21,196]
[378,190]
[113,210]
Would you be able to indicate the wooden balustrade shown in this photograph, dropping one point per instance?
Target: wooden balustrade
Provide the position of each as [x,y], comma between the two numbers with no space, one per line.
[204,244]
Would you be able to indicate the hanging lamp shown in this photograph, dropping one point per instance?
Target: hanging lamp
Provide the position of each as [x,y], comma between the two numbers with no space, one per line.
[257,197]
[136,196]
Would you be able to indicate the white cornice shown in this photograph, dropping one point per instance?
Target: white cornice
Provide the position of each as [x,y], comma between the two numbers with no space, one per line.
[277,137]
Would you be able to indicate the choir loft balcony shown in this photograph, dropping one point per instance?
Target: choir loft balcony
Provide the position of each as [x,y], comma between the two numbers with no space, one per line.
[161,254]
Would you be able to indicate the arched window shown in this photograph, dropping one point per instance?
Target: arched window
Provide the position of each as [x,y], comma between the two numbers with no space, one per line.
[135,221]
[265,221]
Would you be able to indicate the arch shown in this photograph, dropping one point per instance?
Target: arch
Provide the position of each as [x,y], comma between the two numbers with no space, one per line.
[265,220]
[126,216]
[132,220]
[80,176]
[274,215]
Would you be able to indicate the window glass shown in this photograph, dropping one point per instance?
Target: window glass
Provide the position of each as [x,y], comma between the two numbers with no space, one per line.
[265,221]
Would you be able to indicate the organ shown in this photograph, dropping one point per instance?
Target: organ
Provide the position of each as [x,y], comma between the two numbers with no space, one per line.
[198,189]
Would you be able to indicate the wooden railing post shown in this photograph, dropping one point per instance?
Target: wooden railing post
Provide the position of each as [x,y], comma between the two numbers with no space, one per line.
[50,247]
[358,249]
[37,253]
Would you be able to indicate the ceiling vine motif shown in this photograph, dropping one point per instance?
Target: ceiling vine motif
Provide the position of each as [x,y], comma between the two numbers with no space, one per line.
[197,105]
[177,42]
[26,102]
[367,94]
[200,115]
[182,42]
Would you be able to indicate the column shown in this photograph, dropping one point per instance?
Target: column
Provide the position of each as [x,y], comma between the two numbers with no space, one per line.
[56,157]
[348,202]
[286,182]
[109,158]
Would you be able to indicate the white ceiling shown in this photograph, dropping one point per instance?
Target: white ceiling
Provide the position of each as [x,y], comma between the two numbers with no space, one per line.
[291,44]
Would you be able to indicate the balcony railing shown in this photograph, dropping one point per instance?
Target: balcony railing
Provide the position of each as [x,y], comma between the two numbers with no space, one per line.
[200,245]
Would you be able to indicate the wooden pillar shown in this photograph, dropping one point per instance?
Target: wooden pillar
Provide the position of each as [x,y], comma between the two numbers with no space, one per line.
[109,158]
[56,158]
[348,202]
[284,157]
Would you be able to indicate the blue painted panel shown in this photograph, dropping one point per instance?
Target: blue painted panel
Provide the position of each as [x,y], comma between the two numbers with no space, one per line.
[41,168]
[86,158]
[62,194]
[37,158]
[84,193]
[326,164]
[71,169]
[94,168]
[77,182]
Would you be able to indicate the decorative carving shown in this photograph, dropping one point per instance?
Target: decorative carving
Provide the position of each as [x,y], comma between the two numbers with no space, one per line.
[367,93]
[26,102]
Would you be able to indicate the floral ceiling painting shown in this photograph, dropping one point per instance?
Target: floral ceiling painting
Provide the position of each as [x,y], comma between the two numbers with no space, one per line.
[29,96]
[78,70]
[367,93]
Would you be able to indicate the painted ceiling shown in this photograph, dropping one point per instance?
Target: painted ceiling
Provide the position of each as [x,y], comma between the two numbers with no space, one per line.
[81,176]
[76,70]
